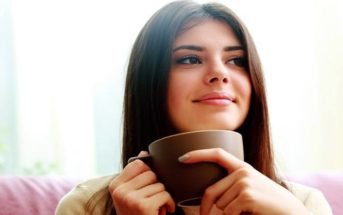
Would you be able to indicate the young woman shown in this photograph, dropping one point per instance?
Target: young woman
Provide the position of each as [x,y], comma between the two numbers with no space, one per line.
[195,67]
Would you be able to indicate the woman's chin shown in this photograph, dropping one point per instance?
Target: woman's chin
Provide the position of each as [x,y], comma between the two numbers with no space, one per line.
[209,127]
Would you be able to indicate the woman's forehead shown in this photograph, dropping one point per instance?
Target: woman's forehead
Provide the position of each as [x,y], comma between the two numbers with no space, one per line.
[205,30]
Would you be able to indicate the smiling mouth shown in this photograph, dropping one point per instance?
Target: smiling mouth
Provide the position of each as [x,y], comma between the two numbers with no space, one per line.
[222,99]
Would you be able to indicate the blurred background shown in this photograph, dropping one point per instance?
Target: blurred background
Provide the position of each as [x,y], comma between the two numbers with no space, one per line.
[62,69]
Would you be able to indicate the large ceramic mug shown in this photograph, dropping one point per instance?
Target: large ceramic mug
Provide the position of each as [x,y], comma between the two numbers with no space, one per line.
[186,181]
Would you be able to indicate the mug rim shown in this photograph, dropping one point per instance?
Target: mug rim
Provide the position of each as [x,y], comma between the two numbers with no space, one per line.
[179,204]
[197,131]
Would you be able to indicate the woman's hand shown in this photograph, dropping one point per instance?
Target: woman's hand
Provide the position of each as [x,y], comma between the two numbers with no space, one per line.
[137,191]
[244,189]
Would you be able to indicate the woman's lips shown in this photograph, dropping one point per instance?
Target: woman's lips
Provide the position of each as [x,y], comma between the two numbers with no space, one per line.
[222,99]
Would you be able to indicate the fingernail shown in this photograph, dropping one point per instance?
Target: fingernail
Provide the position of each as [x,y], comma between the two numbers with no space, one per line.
[183,158]
[143,153]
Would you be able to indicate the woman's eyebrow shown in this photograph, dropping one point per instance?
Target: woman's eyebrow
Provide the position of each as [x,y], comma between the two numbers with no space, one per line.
[189,47]
[233,48]
[199,48]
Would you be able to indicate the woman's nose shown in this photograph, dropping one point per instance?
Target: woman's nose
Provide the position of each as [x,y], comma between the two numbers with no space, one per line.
[217,74]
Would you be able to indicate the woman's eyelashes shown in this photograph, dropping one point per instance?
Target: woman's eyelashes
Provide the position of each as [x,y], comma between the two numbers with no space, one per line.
[191,59]
[238,61]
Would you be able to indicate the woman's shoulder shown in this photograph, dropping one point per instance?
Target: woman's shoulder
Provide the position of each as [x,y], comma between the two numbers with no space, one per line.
[76,200]
[301,191]
[312,198]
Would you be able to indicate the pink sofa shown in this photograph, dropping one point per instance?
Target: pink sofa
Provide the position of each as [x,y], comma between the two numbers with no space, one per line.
[27,195]
[32,195]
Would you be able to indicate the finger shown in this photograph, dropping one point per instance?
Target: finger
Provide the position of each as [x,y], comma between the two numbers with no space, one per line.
[229,187]
[215,191]
[221,192]
[133,169]
[142,180]
[228,196]
[143,153]
[140,156]
[215,155]
[129,172]
[241,197]
[162,211]
[234,208]
[151,190]
[139,187]
[163,199]
[212,193]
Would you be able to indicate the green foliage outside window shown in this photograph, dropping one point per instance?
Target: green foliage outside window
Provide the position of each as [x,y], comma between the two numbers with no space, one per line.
[41,168]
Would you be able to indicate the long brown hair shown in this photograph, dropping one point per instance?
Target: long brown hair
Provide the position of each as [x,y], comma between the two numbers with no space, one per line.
[145,110]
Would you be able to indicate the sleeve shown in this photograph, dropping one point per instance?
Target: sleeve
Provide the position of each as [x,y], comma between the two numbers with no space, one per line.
[317,204]
[76,202]
[72,203]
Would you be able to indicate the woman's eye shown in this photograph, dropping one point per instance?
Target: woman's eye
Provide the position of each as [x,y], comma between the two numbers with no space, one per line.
[189,60]
[238,61]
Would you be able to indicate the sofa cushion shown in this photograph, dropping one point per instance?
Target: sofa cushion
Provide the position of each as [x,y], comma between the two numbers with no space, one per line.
[329,183]
[39,195]
[36,195]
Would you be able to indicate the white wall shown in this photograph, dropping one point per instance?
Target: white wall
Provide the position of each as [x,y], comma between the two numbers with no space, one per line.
[69,51]
[300,43]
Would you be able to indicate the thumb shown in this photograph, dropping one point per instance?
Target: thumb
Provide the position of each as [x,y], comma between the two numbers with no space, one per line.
[143,153]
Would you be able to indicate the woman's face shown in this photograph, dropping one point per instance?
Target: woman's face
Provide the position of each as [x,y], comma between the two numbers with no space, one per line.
[209,85]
